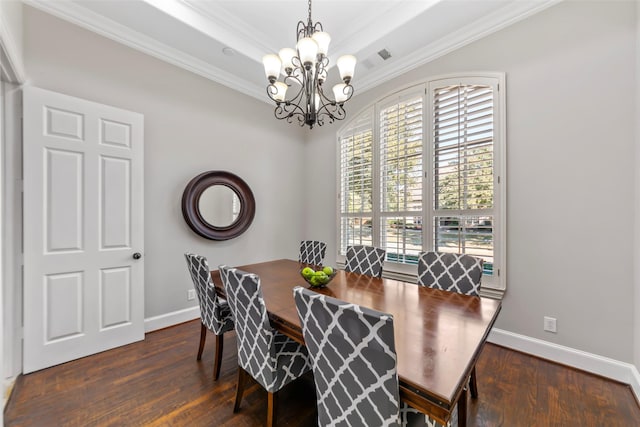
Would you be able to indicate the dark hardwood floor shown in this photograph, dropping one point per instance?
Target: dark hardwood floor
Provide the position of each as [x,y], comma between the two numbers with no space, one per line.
[158,382]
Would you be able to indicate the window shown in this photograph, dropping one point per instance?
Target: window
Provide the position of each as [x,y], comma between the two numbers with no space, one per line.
[423,170]
[356,182]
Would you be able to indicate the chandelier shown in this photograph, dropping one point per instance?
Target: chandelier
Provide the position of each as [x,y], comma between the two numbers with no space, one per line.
[305,72]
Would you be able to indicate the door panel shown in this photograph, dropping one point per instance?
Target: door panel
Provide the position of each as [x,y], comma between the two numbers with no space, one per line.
[83,216]
[63,201]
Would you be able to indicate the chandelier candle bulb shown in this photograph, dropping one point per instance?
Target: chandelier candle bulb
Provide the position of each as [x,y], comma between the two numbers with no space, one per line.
[307,66]
[281,91]
[322,39]
[308,50]
[340,92]
[272,67]
[286,56]
[346,66]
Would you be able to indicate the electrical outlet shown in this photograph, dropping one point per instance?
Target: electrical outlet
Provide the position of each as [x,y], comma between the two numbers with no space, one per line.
[550,324]
[191,294]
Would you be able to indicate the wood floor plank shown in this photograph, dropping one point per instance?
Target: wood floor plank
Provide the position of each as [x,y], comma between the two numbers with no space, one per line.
[158,382]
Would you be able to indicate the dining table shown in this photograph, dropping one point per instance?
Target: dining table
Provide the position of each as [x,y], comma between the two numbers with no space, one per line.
[439,335]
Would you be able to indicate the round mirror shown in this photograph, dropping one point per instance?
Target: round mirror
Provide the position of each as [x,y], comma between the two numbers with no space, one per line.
[218,205]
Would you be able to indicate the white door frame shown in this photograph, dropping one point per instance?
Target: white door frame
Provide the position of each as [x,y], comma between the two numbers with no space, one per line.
[12,76]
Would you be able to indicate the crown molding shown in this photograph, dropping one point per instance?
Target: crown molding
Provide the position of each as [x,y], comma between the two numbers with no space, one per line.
[492,23]
[89,20]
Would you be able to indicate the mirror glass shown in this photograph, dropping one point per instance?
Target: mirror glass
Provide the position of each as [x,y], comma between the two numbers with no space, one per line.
[219,205]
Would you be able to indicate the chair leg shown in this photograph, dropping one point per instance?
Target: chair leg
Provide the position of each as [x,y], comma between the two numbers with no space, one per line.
[217,361]
[203,338]
[473,386]
[271,409]
[242,375]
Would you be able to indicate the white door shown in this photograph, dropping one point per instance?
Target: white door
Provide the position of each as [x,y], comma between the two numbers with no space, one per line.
[83,228]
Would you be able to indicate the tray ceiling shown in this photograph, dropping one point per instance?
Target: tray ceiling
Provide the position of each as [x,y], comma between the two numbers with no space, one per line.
[224,40]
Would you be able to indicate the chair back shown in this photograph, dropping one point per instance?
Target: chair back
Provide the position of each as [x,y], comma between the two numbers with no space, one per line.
[459,273]
[353,357]
[312,252]
[210,313]
[253,329]
[365,260]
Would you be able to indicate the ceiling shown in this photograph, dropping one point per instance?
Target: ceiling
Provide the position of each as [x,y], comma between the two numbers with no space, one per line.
[224,40]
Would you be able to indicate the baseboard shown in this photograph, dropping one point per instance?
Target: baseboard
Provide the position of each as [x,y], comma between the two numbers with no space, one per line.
[165,320]
[599,365]
[7,389]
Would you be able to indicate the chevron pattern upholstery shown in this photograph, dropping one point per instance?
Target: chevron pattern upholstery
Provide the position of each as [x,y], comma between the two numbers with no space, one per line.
[215,314]
[365,260]
[459,273]
[353,355]
[352,352]
[312,252]
[271,358]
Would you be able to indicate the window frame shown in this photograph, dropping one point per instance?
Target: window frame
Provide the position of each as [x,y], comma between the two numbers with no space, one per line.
[493,286]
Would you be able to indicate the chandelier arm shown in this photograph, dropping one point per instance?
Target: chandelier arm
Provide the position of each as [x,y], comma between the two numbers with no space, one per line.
[301,30]
[284,111]
[289,83]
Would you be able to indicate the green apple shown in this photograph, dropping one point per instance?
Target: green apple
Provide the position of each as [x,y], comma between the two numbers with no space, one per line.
[328,270]
[307,272]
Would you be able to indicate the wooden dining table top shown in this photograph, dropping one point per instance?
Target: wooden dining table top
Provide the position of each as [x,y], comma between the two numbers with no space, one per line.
[438,334]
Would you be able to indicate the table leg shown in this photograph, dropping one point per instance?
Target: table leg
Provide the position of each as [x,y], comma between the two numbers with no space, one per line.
[462,408]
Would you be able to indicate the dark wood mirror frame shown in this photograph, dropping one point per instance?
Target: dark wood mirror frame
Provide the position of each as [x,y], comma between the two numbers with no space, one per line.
[191,209]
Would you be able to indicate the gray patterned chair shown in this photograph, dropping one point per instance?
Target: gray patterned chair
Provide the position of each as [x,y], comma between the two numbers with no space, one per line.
[365,260]
[352,351]
[215,314]
[312,252]
[458,273]
[353,355]
[271,358]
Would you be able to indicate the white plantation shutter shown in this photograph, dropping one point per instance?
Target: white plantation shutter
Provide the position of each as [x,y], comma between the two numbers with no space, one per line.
[423,169]
[462,172]
[356,182]
[400,161]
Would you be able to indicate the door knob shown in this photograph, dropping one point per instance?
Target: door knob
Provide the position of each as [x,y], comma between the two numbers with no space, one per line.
[137,255]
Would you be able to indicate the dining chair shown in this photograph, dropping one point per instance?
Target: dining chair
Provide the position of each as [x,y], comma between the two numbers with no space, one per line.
[354,362]
[215,314]
[460,273]
[367,260]
[271,358]
[312,252]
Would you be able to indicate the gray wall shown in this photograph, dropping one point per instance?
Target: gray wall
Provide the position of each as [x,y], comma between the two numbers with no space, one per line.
[570,159]
[191,125]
